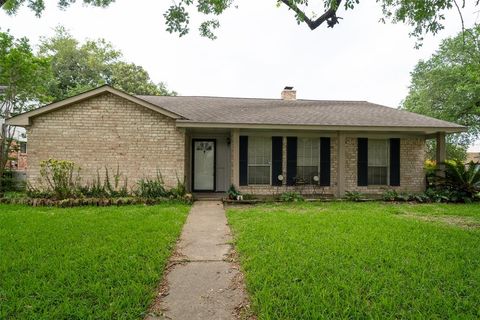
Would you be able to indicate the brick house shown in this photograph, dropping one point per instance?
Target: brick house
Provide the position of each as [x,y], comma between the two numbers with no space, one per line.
[258,145]
[17,156]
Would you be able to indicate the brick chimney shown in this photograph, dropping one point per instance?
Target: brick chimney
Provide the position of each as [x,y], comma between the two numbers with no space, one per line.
[289,94]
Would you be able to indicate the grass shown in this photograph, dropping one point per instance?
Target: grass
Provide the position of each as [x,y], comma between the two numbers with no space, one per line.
[358,261]
[84,263]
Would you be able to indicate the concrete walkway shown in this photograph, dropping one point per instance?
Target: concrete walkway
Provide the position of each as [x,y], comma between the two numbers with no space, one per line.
[202,284]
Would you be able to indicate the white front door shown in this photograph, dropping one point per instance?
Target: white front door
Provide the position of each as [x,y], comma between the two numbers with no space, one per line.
[204,165]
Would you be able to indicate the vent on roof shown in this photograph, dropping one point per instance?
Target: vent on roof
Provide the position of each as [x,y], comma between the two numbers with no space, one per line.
[289,94]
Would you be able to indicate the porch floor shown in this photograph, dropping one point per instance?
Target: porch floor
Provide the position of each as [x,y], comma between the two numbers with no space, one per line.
[209,196]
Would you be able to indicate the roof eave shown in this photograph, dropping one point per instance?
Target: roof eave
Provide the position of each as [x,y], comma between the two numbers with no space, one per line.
[192,124]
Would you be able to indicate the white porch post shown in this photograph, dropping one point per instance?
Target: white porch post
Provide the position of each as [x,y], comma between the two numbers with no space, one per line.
[235,145]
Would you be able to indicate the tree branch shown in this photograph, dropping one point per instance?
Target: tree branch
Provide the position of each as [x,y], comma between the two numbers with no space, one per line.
[2,2]
[329,15]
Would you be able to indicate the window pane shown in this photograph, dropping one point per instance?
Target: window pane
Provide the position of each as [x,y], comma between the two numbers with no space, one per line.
[259,175]
[305,174]
[259,150]
[377,175]
[377,152]
[377,162]
[308,159]
[259,160]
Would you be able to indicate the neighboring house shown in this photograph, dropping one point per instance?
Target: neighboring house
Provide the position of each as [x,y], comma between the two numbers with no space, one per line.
[473,156]
[18,156]
[213,142]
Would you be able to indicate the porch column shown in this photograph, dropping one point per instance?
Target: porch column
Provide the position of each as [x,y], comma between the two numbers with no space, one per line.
[441,151]
[235,148]
[341,164]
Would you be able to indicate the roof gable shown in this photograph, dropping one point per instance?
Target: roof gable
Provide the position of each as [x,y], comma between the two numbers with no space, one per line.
[24,118]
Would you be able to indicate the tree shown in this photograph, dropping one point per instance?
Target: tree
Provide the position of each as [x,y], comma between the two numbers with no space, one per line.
[23,77]
[80,67]
[423,16]
[447,86]
[132,78]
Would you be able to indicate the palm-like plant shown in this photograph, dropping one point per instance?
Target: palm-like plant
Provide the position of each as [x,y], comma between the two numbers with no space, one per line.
[462,179]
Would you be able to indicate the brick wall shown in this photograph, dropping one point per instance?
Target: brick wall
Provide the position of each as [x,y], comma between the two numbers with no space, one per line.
[412,176]
[271,190]
[108,131]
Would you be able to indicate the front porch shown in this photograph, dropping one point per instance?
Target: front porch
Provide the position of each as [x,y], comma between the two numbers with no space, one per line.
[208,165]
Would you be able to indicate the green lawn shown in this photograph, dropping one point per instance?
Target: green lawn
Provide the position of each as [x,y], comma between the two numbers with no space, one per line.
[84,263]
[359,260]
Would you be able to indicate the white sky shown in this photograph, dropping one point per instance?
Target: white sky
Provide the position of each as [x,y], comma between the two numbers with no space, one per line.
[260,49]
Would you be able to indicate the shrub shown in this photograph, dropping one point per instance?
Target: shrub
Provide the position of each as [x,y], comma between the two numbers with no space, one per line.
[248,196]
[232,193]
[180,191]
[60,178]
[291,196]
[152,188]
[389,195]
[7,182]
[354,196]
[460,183]
[115,190]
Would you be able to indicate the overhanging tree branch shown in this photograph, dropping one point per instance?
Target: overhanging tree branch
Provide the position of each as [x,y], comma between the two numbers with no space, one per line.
[330,15]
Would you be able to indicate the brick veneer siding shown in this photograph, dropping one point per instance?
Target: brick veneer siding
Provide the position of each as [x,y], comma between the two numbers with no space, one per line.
[270,190]
[412,176]
[106,131]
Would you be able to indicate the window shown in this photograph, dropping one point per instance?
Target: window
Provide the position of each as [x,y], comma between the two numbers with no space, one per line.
[23,147]
[308,160]
[259,160]
[377,162]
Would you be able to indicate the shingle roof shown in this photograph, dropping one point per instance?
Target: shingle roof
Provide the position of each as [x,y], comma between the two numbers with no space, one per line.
[293,112]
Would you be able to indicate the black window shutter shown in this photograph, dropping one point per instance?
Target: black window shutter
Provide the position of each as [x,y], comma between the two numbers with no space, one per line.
[395,162]
[325,161]
[277,146]
[362,162]
[243,157]
[291,160]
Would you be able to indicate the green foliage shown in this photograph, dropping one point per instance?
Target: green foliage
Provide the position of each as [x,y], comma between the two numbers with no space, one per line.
[462,179]
[180,191]
[389,195]
[447,86]
[423,17]
[79,67]
[152,188]
[354,196]
[59,178]
[232,192]
[454,151]
[107,189]
[7,182]
[24,76]
[87,262]
[249,196]
[343,260]
[291,196]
